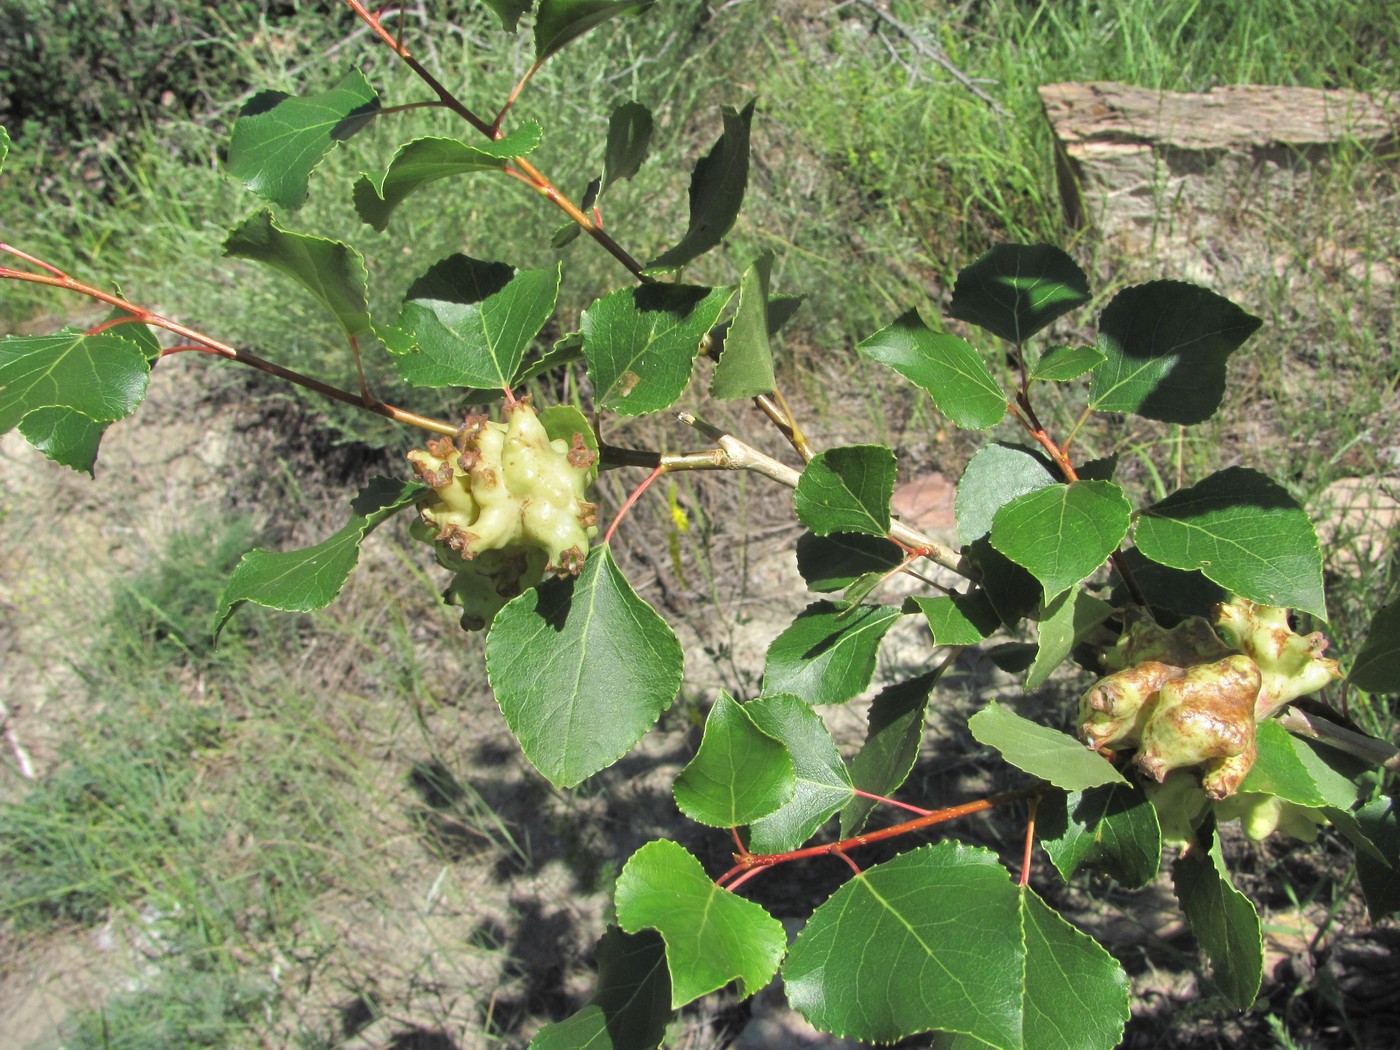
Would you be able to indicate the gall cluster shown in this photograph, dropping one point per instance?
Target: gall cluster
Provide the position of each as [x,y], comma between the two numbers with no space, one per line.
[507,508]
[1189,699]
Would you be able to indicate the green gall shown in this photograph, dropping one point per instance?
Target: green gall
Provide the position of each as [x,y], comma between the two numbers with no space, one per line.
[1193,641]
[1204,716]
[1113,713]
[508,508]
[1292,664]
[1180,804]
[1261,815]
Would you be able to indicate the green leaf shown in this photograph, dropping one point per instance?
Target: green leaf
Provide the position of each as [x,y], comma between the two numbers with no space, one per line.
[1015,290]
[426,160]
[1380,882]
[69,437]
[4,146]
[944,366]
[827,654]
[712,936]
[631,1005]
[716,192]
[641,343]
[1041,751]
[1376,668]
[745,367]
[993,477]
[569,348]
[470,322]
[1062,533]
[1165,345]
[1224,922]
[1062,363]
[310,578]
[1243,531]
[1064,623]
[331,271]
[629,138]
[959,619]
[1012,591]
[102,377]
[557,22]
[1172,590]
[509,12]
[278,139]
[64,436]
[938,939]
[823,784]
[739,774]
[582,668]
[894,730]
[847,489]
[833,563]
[1279,769]
[1112,829]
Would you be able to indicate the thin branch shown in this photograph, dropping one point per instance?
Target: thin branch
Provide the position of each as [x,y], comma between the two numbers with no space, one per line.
[733,454]
[214,346]
[934,54]
[1366,748]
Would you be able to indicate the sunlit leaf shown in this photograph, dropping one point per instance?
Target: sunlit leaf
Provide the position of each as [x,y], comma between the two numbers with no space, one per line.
[425,160]
[993,477]
[641,343]
[1041,751]
[823,784]
[1243,531]
[716,192]
[331,271]
[939,939]
[827,655]
[1015,290]
[739,774]
[847,489]
[1165,345]
[944,366]
[278,139]
[745,366]
[712,936]
[958,619]
[310,578]
[1062,533]
[1063,624]
[1062,363]
[101,377]
[581,668]
[470,322]
[1224,922]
